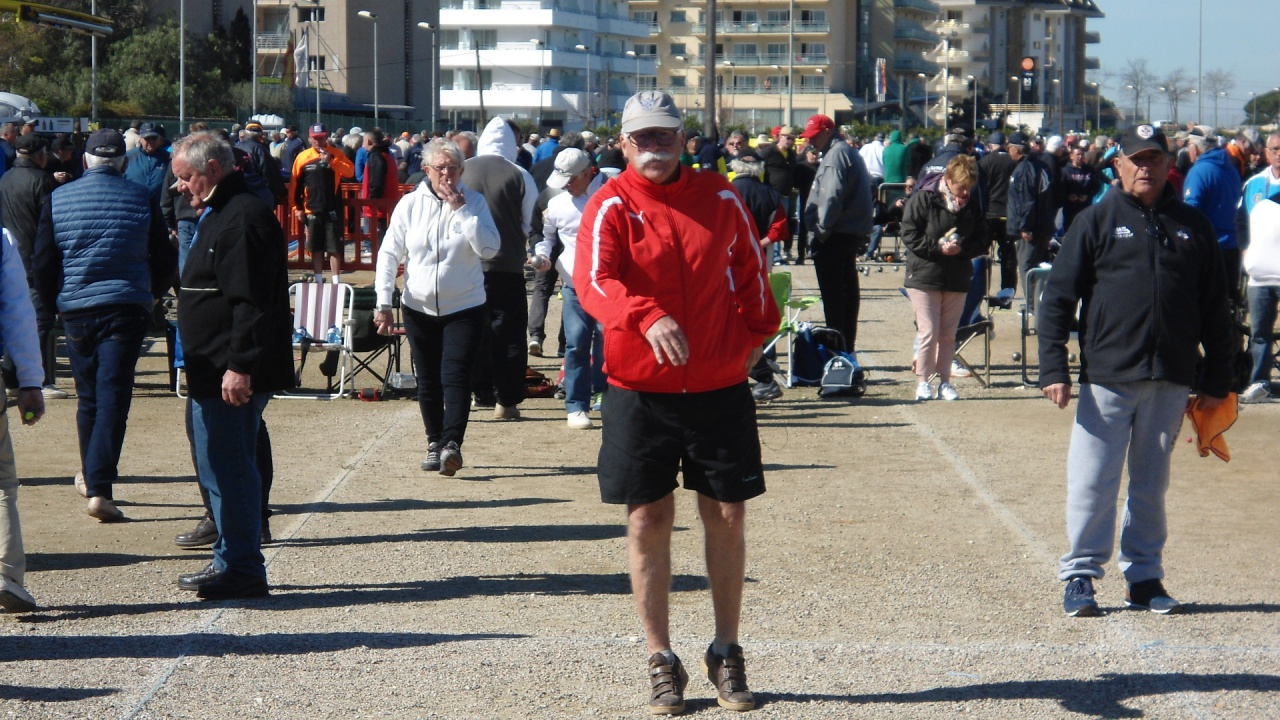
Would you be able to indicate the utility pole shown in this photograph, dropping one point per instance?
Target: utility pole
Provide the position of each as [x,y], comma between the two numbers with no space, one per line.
[93,61]
[709,96]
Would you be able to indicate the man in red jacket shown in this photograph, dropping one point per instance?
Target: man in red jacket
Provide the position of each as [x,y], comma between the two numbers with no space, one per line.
[669,263]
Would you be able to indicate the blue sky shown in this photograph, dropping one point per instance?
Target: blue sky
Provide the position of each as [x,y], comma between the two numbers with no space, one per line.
[1237,34]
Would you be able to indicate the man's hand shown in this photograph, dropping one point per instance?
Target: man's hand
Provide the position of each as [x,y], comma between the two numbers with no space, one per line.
[31,405]
[1026,236]
[668,341]
[383,320]
[1209,403]
[298,214]
[1059,394]
[950,248]
[236,389]
[754,357]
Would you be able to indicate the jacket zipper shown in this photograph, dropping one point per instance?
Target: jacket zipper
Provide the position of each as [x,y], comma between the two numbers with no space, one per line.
[684,295]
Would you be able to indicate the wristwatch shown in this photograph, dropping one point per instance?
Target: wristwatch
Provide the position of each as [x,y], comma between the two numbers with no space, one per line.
[384,308]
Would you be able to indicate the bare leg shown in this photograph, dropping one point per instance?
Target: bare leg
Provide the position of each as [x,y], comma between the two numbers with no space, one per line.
[724,525]
[317,257]
[335,264]
[649,549]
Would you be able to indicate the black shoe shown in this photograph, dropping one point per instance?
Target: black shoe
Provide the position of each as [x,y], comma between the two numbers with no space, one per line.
[764,392]
[1151,595]
[432,462]
[192,581]
[1077,600]
[230,585]
[450,459]
[206,533]
[266,532]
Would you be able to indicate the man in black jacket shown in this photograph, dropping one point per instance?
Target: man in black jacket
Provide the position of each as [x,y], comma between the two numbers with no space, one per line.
[1030,205]
[24,191]
[997,167]
[1145,271]
[234,319]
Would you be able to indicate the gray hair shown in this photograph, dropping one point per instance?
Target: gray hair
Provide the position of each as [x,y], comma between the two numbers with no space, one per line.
[440,146]
[475,141]
[746,167]
[201,147]
[1201,142]
[93,161]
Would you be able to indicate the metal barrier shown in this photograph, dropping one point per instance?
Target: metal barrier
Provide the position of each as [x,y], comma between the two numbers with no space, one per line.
[363,246]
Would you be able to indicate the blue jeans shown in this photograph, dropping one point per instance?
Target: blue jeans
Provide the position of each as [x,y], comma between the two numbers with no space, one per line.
[226,442]
[1262,317]
[583,354]
[104,348]
[186,233]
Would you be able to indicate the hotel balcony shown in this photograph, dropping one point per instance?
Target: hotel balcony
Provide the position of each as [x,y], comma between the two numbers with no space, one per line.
[905,30]
[724,29]
[921,6]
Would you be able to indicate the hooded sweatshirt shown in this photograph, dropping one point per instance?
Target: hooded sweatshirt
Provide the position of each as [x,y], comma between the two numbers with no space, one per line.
[509,190]
[1213,187]
[896,159]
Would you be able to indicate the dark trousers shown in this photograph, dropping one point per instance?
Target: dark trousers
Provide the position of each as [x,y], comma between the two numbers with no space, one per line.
[46,324]
[444,350]
[1007,252]
[266,466]
[504,356]
[104,348]
[544,286]
[1031,254]
[1231,263]
[835,264]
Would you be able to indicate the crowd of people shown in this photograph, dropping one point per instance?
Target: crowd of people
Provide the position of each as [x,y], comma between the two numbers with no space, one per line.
[661,244]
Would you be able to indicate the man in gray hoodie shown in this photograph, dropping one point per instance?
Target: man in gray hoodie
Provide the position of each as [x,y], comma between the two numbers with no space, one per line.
[511,194]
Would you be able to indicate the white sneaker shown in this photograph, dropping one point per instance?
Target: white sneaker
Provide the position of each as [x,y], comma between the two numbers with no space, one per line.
[1258,392]
[580,421]
[924,391]
[535,348]
[947,392]
[52,392]
[14,598]
[959,371]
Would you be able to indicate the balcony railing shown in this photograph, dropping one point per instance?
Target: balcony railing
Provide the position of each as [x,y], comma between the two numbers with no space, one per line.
[924,6]
[913,63]
[763,28]
[273,41]
[1092,38]
[765,60]
[912,31]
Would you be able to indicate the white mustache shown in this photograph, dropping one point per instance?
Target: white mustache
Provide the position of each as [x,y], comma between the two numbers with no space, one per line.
[652,156]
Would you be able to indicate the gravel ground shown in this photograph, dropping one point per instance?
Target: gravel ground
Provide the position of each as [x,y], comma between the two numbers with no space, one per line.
[902,564]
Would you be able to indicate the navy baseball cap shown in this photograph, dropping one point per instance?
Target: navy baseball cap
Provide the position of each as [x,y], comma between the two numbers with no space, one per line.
[319,130]
[105,143]
[1140,138]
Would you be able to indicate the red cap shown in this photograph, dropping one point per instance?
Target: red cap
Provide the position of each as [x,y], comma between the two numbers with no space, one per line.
[817,124]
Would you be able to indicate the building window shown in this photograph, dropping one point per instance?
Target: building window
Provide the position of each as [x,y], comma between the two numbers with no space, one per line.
[306,15]
[647,51]
[484,39]
[778,17]
[647,82]
[813,49]
[776,51]
[813,82]
[744,83]
[746,50]
[316,62]
[448,39]
[446,79]
[775,82]
[646,17]
[678,49]
[678,81]
[743,17]
[810,17]
[677,16]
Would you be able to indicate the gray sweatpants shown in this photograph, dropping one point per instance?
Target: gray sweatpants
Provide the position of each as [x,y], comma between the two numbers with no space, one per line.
[13,561]
[1137,421]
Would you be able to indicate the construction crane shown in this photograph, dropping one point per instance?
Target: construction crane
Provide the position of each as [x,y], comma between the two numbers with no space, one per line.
[57,17]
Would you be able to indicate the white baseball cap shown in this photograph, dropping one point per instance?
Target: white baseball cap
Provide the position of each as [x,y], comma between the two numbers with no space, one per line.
[570,163]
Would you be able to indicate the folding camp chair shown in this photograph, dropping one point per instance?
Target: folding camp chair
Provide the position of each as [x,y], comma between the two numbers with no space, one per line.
[790,310]
[1033,288]
[322,321]
[380,352]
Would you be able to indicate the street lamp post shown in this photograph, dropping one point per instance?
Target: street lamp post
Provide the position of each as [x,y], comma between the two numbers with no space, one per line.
[974,80]
[946,82]
[732,93]
[635,55]
[1057,91]
[373,17]
[542,71]
[590,111]
[1215,108]
[435,87]
[925,81]
[1253,107]
[182,64]
[1097,96]
[685,60]
[1135,101]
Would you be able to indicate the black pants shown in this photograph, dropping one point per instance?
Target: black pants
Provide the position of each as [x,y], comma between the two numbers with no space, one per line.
[504,357]
[1031,254]
[1231,262]
[544,286]
[266,466]
[835,264]
[1007,251]
[444,350]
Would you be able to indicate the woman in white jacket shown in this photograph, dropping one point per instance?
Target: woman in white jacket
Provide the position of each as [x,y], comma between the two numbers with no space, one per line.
[441,231]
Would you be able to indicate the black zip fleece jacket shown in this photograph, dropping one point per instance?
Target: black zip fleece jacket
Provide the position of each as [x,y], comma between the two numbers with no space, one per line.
[1152,293]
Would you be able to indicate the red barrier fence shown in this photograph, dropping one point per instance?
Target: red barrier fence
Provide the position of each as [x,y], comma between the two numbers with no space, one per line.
[361,247]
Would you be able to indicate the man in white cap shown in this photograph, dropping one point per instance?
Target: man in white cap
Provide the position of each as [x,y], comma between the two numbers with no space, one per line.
[669,263]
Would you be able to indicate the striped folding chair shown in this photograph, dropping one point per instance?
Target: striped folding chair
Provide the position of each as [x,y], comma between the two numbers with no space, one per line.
[322,321]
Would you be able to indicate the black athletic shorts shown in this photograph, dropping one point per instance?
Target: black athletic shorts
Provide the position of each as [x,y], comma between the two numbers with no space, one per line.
[324,233]
[649,438]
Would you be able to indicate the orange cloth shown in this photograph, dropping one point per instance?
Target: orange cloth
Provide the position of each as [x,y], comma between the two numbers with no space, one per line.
[1212,425]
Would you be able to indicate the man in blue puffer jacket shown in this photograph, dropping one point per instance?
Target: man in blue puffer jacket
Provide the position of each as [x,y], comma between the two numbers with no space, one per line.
[102,256]
[149,162]
[1213,186]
